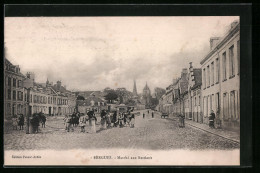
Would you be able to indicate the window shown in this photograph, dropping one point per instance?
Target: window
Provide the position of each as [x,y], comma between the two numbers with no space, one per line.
[195,103]
[14,82]
[225,106]
[217,70]
[212,102]
[212,73]
[25,98]
[238,56]
[224,66]
[9,81]
[20,95]
[209,105]
[232,105]
[14,95]
[208,76]
[204,78]
[9,94]
[231,62]
[199,101]
[217,102]
[19,83]
[8,108]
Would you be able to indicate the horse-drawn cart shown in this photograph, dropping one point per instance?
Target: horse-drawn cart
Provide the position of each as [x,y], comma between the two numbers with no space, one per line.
[164,115]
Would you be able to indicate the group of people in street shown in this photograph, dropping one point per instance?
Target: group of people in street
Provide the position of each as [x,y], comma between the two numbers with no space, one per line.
[125,119]
[18,121]
[148,112]
[35,120]
[79,119]
[108,120]
[212,118]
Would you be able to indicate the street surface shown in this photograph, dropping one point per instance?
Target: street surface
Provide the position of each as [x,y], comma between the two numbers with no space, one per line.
[149,133]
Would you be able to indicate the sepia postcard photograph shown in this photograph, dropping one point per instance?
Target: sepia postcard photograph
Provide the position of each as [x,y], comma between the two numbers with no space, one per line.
[132,90]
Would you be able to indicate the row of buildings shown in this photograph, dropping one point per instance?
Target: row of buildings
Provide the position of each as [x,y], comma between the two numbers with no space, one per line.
[215,85]
[49,98]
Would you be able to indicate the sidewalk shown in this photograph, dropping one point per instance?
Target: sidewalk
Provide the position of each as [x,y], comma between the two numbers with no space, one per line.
[221,132]
[235,136]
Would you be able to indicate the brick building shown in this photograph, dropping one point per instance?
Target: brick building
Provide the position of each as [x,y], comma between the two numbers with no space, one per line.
[14,93]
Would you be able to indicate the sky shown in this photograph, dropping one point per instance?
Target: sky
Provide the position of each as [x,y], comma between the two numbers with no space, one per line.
[92,53]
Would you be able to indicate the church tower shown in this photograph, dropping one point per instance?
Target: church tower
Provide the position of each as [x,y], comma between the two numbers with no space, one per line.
[135,90]
[146,95]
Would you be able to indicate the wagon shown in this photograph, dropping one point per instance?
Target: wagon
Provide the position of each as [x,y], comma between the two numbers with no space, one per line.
[164,115]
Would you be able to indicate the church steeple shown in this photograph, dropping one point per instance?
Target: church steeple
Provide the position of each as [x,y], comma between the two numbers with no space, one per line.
[134,89]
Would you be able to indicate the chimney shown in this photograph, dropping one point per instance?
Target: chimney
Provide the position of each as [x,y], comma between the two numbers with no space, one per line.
[191,67]
[213,42]
[184,73]
[58,85]
[30,75]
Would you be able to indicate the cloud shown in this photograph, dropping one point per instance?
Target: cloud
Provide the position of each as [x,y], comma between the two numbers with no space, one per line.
[91,53]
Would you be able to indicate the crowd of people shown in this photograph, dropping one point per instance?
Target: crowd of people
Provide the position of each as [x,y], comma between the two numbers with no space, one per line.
[108,120]
[35,121]
[18,121]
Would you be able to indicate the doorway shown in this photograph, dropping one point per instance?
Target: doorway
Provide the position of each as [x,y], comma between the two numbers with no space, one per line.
[49,111]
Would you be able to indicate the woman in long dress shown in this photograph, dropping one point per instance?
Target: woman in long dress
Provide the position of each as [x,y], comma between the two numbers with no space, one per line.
[132,121]
[14,122]
[82,123]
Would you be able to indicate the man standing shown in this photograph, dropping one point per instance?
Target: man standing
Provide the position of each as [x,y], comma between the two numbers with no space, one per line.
[143,115]
[212,119]
[152,114]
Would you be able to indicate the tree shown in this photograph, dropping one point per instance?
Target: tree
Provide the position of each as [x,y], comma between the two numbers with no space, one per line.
[111,96]
[159,92]
[80,97]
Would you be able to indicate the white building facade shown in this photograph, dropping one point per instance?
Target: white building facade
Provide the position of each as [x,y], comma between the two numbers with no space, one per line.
[221,79]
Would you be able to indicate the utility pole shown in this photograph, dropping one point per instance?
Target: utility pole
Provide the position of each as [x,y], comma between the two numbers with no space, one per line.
[28,84]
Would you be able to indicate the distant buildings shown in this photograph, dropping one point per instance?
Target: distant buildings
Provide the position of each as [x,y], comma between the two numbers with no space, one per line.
[194,93]
[146,96]
[91,103]
[51,99]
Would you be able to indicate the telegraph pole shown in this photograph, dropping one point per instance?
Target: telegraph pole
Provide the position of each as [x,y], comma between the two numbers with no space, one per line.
[28,84]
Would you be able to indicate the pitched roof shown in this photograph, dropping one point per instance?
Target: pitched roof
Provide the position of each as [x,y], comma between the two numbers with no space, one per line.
[183,87]
[87,102]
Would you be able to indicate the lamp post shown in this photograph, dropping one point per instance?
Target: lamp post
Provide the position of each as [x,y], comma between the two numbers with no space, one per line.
[28,110]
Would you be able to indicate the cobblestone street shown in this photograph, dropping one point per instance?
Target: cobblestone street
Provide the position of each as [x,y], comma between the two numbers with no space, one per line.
[149,133]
